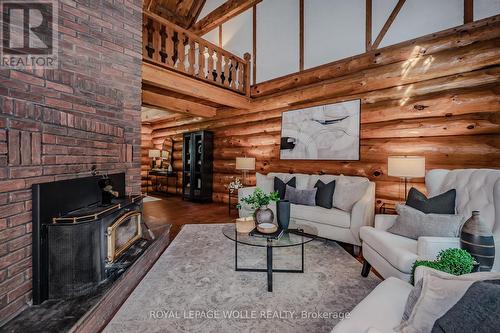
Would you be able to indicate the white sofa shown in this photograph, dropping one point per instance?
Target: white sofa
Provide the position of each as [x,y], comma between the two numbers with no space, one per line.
[332,223]
[393,255]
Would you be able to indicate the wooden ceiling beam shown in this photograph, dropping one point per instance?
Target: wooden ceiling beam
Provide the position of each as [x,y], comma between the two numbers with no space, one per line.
[222,14]
[196,12]
[171,16]
[177,105]
[388,23]
[167,79]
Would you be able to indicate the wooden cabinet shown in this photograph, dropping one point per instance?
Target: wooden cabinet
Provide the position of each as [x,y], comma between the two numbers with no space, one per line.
[197,166]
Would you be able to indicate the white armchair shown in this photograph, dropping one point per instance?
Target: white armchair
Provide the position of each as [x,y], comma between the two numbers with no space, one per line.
[394,255]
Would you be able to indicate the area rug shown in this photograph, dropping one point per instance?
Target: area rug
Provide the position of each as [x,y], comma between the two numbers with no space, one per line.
[193,288]
[150,199]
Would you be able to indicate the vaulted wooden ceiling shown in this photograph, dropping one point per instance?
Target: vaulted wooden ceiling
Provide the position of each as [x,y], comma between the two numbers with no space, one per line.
[180,12]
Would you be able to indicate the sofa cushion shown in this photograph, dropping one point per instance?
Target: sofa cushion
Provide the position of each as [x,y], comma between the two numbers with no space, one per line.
[443,203]
[300,197]
[324,195]
[333,216]
[399,251]
[280,186]
[381,309]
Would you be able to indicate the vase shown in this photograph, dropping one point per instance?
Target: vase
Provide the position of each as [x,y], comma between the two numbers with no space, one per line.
[477,239]
[264,215]
[283,213]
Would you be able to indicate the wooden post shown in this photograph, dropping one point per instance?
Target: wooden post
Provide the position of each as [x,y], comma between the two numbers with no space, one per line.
[468,11]
[368,28]
[254,50]
[301,35]
[247,58]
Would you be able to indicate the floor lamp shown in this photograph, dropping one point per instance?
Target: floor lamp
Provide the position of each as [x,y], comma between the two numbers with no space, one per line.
[406,167]
[245,164]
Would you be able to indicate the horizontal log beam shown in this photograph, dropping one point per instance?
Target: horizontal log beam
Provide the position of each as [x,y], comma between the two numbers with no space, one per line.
[179,83]
[177,105]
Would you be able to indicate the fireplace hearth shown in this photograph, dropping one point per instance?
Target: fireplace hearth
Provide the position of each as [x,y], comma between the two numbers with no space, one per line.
[77,240]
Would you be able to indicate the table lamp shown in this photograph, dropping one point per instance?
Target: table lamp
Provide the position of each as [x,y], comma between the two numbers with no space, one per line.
[153,155]
[406,167]
[245,164]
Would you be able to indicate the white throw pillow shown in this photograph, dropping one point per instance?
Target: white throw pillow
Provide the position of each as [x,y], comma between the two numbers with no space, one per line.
[265,183]
[440,292]
[348,192]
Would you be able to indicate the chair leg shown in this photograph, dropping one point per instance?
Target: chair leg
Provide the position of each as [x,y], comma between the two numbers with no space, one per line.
[366,268]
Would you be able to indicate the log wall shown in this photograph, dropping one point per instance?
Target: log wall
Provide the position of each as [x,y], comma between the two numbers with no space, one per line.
[436,96]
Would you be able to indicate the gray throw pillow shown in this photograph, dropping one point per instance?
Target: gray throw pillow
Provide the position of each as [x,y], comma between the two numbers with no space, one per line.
[301,197]
[413,224]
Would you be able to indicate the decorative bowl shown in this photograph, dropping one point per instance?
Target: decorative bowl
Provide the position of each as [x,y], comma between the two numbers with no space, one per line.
[267,228]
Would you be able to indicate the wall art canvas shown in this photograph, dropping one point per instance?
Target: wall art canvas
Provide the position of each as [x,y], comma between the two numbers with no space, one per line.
[326,132]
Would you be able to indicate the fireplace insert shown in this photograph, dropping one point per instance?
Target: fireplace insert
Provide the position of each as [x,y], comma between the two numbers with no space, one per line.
[77,240]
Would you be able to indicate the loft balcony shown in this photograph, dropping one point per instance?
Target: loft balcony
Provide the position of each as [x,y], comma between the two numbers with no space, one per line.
[187,74]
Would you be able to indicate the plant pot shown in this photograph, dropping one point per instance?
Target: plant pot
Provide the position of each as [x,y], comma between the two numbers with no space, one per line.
[477,239]
[283,213]
[264,215]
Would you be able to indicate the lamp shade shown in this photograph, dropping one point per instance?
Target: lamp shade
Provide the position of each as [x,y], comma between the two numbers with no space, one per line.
[153,153]
[406,166]
[245,163]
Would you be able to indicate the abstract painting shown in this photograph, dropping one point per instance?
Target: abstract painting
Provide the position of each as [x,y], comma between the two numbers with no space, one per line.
[326,132]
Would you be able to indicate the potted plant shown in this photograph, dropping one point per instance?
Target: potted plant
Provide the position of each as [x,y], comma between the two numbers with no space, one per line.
[453,261]
[259,201]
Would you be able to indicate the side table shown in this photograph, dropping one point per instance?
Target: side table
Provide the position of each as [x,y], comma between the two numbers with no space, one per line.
[233,195]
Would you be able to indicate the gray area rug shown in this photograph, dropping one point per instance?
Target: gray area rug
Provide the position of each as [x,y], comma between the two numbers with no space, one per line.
[193,288]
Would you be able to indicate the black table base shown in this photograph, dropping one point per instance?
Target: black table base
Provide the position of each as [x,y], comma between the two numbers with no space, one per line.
[270,270]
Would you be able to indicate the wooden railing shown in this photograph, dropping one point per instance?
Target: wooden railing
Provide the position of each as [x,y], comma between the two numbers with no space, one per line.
[168,45]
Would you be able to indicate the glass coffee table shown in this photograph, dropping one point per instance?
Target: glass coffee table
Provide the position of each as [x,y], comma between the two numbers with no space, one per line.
[290,237]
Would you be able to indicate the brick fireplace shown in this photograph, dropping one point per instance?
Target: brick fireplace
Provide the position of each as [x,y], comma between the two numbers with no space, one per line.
[56,124]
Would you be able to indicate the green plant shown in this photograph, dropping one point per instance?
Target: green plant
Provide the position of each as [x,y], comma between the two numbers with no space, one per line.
[452,261]
[259,199]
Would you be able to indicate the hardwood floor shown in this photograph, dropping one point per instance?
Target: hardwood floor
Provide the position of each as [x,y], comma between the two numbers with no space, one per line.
[177,212]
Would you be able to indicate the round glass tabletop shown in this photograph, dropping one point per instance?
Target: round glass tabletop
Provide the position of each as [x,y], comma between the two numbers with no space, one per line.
[291,237]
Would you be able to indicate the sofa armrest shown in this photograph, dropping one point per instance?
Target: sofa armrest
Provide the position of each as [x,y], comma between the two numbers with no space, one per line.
[429,247]
[384,221]
[363,211]
[245,210]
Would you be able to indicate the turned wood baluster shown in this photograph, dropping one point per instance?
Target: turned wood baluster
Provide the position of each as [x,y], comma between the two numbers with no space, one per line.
[163,41]
[232,67]
[201,61]
[219,67]
[241,74]
[226,70]
[181,51]
[156,41]
[210,62]
[191,56]
[170,46]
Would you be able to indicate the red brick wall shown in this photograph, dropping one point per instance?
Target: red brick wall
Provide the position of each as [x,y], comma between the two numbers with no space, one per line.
[54,124]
